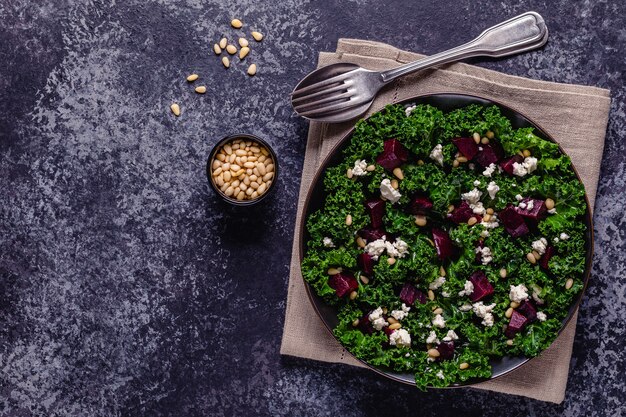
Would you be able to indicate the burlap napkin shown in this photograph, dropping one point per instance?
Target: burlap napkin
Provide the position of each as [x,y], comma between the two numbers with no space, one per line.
[575,115]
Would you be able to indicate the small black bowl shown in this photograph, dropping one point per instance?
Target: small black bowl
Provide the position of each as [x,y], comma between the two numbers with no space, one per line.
[214,186]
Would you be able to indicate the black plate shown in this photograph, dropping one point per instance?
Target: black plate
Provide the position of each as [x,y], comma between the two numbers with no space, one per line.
[315,199]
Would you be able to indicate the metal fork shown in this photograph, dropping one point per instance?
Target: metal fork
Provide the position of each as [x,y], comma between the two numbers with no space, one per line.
[343,91]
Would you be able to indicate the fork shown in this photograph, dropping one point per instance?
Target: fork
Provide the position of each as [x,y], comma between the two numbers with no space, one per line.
[343,91]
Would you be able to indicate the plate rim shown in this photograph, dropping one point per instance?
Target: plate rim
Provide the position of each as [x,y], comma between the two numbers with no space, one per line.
[322,167]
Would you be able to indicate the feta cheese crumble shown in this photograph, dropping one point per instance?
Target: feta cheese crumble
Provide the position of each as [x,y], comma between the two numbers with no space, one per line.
[519,197]
[552,211]
[432,338]
[450,336]
[564,236]
[489,170]
[397,249]
[541,316]
[492,189]
[540,245]
[484,312]
[377,319]
[440,375]
[438,282]
[485,254]
[529,165]
[467,290]
[518,293]
[465,307]
[473,199]
[376,248]
[400,338]
[360,168]
[476,183]
[437,155]
[439,321]
[409,110]
[491,224]
[328,243]
[388,192]
[402,313]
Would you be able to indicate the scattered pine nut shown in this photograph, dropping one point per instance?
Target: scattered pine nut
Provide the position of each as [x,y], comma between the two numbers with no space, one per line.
[353,295]
[549,203]
[243,52]
[472,221]
[349,173]
[433,353]
[333,271]
[370,168]
[489,211]
[509,342]
[349,220]
[461,159]
[438,310]
[395,326]
[420,221]
[226,61]
[217,49]
[391,320]
[360,242]
[508,313]
[503,273]
[531,258]
[258,36]
[514,304]
[201,89]
[355,323]
[252,69]
[394,183]
[489,134]
[398,173]
[569,283]
[476,137]
[442,271]
[484,140]
[391,261]
[236,23]
[464,365]
[526,153]
[243,42]
[364,279]
[431,295]
[175,109]
[193,77]
[223,43]
[455,163]
[231,49]
[536,255]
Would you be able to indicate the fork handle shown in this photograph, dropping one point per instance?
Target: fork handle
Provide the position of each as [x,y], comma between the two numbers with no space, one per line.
[519,34]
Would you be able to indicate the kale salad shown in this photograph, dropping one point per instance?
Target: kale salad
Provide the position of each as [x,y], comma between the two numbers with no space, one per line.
[447,240]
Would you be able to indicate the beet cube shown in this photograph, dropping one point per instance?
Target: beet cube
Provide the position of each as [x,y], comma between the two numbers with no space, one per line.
[365,325]
[366,263]
[409,294]
[491,153]
[420,205]
[376,209]
[528,310]
[462,213]
[443,244]
[516,324]
[482,286]
[513,222]
[537,211]
[394,154]
[466,146]
[446,350]
[545,258]
[343,284]
[388,331]
[507,164]
[371,234]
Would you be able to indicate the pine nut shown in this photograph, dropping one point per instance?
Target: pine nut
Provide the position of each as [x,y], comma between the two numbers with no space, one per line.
[349,173]
[175,109]
[229,191]
[221,157]
[569,283]
[217,172]
[536,255]
[514,304]
[349,220]
[231,158]
[254,185]
[464,365]
[395,326]
[503,273]
[201,89]
[476,137]
[398,173]
[239,152]
[391,320]
[364,279]
[431,295]
[246,180]
[490,211]
[265,152]
[268,176]
[333,271]
[461,159]
[262,188]
[193,77]
[384,310]
[490,134]
[360,242]
[442,271]
[526,153]
[252,69]
[484,141]
[249,191]
[531,258]
[241,195]
[450,208]
[355,322]
[370,168]
[249,165]
[258,36]
[509,342]
[455,163]
[262,169]
[353,295]
[236,23]
[231,49]
[420,221]
[487,217]
[269,167]
[433,353]
[472,221]
[438,310]
[238,173]
[224,187]
[225,61]
[216,164]
[549,203]
[508,313]
[254,195]
[243,52]
[217,49]
[391,261]
[394,183]
[223,43]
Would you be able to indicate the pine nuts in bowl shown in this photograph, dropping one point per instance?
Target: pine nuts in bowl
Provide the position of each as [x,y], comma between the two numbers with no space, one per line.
[242,169]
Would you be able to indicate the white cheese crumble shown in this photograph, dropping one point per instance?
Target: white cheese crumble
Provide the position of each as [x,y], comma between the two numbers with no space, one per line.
[409,109]
[328,242]
[541,316]
[437,155]
[401,247]
[540,245]
[530,205]
[518,293]
[491,224]
[397,249]
[465,307]
[537,298]
[492,189]
[485,254]
[473,199]
[440,375]
[489,170]
[519,197]
[484,233]
[377,320]
[552,211]
[445,294]
[529,165]
[438,282]
[376,248]
[450,336]
[476,183]
[388,192]
[467,289]
[438,321]
[360,168]
[484,312]
[432,338]
[400,338]
[564,236]
[402,313]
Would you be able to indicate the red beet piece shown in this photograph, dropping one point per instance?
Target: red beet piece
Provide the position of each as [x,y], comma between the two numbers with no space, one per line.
[545,258]
[513,222]
[507,164]
[394,154]
[420,205]
[343,284]
[516,324]
[443,244]
[365,325]
[366,263]
[388,331]
[482,286]
[528,310]
[370,234]
[491,153]
[409,294]
[537,211]
[462,213]
[446,350]
[466,146]
[376,209]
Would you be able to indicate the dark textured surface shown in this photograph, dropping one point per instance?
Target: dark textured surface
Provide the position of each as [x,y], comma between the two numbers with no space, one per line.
[127,289]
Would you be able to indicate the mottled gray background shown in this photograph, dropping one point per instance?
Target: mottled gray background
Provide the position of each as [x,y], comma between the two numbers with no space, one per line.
[127,289]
